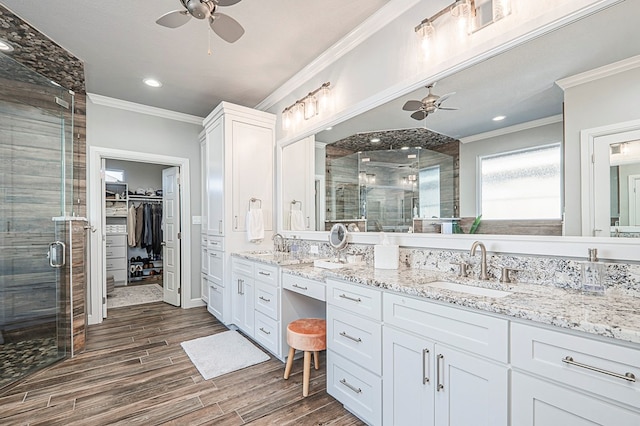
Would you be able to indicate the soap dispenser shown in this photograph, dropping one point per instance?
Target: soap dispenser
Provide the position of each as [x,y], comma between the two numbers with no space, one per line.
[592,274]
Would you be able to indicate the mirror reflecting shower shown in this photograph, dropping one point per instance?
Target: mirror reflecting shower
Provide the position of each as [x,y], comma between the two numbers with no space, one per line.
[36,167]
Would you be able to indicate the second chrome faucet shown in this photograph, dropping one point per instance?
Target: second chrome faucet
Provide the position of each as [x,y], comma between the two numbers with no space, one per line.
[483,259]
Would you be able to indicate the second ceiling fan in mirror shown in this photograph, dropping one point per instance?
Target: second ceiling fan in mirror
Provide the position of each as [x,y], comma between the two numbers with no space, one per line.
[223,25]
[428,105]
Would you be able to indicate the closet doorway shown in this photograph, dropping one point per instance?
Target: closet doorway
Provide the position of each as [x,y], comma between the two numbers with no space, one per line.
[137,249]
[142,224]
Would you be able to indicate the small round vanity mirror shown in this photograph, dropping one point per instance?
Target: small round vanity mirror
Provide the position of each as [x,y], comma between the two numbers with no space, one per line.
[338,236]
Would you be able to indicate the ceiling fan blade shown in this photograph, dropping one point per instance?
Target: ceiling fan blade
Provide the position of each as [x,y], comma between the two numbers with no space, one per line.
[226,27]
[419,115]
[226,2]
[174,19]
[449,108]
[443,98]
[412,106]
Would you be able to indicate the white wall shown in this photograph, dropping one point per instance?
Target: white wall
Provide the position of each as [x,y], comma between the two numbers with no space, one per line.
[121,129]
[609,100]
[469,153]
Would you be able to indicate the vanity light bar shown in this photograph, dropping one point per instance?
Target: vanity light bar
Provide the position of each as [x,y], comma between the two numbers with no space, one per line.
[306,107]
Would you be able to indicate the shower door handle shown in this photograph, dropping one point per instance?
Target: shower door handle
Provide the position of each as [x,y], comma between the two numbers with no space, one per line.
[57,254]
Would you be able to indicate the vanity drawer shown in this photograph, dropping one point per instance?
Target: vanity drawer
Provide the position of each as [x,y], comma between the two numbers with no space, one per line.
[215,304]
[215,267]
[358,389]
[546,352]
[477,333]
[204,260]
[266,273]
[242,266]
[307,287]
[356,338]
[266,299]
[115,252]
[266,332]
[356,299]
[215,243]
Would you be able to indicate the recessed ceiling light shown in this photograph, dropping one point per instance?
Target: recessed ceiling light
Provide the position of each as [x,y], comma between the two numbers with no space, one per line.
[374,140]
[5,46]
[329,128]
[499,117]
[151,82]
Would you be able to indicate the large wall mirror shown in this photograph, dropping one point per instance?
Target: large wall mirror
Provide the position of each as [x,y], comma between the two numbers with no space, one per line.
[496,150]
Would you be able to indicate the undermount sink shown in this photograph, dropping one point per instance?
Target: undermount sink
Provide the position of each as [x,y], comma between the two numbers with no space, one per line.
[328,264]
[469,289]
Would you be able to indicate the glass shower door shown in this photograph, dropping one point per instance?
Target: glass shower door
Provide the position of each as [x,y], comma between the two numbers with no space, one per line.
[36,122]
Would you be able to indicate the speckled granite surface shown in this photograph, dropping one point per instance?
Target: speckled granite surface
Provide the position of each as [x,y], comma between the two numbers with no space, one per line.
[616,314]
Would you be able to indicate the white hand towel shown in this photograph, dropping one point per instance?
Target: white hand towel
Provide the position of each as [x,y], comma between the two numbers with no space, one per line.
[255,226]
[297,220]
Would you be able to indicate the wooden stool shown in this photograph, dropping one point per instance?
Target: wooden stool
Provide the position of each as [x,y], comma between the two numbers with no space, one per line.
[308,335]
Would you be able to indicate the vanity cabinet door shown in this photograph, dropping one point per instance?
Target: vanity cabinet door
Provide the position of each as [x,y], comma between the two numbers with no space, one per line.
[409,379]
[252,171]
[214,209]
[469,390]
[536,402]
[242,312]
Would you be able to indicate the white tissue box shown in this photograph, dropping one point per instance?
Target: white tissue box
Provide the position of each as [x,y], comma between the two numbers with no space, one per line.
[386,256]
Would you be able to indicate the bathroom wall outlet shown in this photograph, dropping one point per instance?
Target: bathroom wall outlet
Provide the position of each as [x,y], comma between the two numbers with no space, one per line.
[196,220]
[313,249]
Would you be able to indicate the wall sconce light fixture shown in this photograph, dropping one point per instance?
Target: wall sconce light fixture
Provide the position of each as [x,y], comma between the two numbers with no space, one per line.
[307,107]
[464,11]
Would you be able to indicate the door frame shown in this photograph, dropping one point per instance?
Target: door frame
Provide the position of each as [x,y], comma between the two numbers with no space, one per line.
[94,202]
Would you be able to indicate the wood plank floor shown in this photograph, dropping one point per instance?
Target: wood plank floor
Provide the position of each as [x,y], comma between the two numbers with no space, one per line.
[135,372]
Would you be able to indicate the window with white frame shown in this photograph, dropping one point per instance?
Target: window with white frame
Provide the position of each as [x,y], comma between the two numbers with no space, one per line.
[524,184]
[429,184]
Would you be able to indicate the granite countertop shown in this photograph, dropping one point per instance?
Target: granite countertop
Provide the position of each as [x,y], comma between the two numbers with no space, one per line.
[614,315]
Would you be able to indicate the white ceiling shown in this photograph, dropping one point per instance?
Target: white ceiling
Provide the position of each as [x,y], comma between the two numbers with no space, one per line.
[121,44]
[519,83]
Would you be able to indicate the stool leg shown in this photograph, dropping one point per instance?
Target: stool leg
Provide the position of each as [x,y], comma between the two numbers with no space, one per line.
[306,373]
[287,369]
[316,360]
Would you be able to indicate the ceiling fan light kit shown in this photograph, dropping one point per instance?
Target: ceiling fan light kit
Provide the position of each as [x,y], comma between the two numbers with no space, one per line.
[223,25]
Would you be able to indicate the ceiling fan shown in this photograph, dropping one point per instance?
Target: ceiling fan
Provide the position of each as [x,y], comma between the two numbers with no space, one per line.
[223,25]
[428,105]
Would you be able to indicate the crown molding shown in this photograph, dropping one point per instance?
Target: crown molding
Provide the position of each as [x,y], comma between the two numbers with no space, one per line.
[362,32]
[512,129]
[598,73]
[144,109]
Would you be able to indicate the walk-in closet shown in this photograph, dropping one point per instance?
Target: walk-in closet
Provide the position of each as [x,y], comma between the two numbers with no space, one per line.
[134,223]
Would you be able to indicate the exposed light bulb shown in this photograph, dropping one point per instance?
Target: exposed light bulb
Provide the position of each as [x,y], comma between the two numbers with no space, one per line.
[426,33]
[324,98]
[310,106]
[286,119]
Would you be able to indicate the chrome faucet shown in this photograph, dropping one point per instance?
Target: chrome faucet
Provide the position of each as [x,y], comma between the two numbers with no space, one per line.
[483,260]
[278,242]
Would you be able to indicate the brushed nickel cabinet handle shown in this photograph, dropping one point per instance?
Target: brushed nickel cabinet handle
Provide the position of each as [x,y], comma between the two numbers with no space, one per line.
[425,366]
[440,386]
[355,339]
[263,299]
[264,273]
[630,377]
[300,287]
[353,299]
[264,331]
[350,386]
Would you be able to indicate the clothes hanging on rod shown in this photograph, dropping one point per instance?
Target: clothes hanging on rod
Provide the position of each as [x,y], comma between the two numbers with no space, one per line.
[145,230]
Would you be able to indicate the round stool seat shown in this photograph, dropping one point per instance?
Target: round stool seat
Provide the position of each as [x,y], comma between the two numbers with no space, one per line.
[307,334]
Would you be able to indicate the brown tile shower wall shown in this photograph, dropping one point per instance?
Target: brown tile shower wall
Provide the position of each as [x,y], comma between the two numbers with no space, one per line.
[37,52]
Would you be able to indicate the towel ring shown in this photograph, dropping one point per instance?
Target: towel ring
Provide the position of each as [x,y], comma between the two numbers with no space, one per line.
[294,202]
[254,200]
